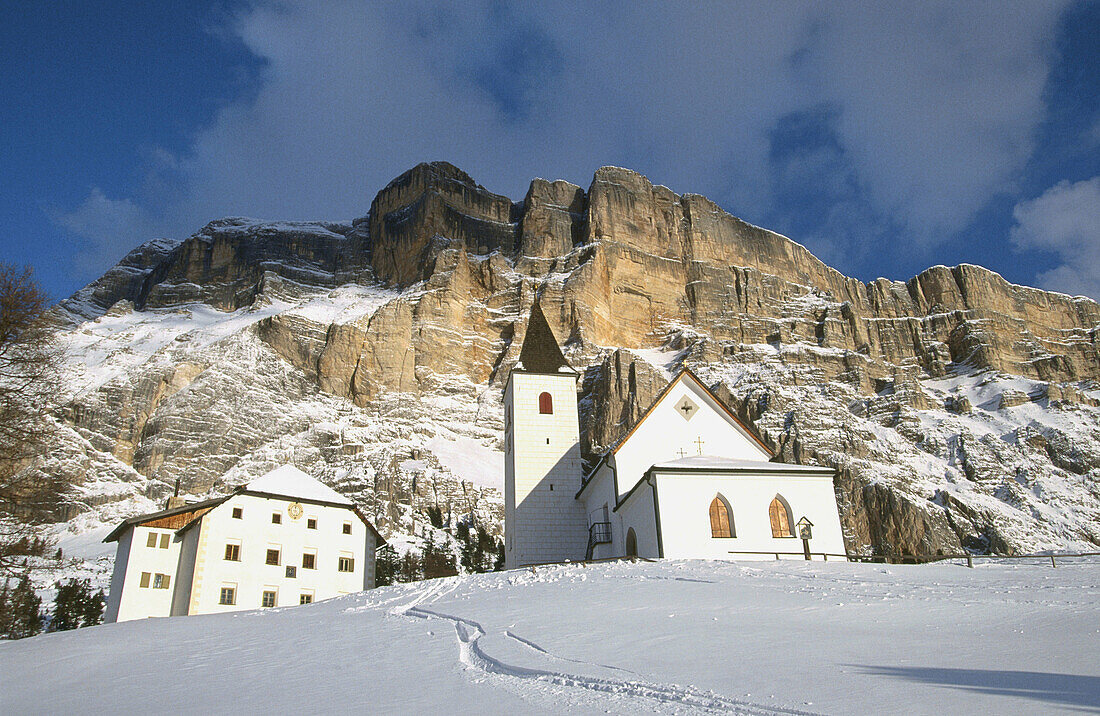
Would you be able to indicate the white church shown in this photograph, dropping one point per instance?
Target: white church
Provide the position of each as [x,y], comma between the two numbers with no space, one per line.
[281,540]
[688,481]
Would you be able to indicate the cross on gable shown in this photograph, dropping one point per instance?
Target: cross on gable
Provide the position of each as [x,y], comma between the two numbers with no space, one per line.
[683,452]
[699,444]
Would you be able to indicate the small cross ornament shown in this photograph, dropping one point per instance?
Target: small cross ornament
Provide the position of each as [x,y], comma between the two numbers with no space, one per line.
[699,444]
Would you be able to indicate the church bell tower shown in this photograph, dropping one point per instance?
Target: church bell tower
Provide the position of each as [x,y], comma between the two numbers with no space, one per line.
[543,523]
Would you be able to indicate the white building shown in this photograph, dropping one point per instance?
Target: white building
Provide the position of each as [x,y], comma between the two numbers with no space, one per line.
[689,480]
[282,539]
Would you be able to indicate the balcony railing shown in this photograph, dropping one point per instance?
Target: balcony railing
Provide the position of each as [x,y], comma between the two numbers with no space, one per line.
[599,533]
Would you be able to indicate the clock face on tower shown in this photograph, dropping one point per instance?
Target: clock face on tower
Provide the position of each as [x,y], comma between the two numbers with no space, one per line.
[295,510]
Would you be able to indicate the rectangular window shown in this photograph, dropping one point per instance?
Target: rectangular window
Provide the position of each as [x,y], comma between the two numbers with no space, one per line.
[291,571]
[152,541]
[273,556]
[268,599]
[145,579]
[347,564]
[161,581]
[276,518]
[228,595]
[347,528]
[237,513]
[311,523]
[233,553]
[309,561]
[305,598]
[164,541]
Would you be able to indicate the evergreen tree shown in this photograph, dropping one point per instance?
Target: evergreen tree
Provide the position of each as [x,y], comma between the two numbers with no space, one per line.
[438,562]
[76,606]
[5,609]
[435,516]
[23,613]
[386,565]
[92,613]
[410,569]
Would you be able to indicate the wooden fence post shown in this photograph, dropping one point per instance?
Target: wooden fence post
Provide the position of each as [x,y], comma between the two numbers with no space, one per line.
[969,560]
[1052,563]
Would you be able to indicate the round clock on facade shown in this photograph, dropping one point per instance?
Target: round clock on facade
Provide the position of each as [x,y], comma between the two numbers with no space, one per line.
[294,510]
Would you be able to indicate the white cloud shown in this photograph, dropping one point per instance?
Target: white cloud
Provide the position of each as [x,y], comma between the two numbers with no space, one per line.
[935,104]
[111,227]
[1064,220]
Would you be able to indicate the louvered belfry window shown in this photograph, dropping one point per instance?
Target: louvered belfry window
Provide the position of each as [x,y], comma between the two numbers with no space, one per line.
[546,404]
[719,519]
[781,520]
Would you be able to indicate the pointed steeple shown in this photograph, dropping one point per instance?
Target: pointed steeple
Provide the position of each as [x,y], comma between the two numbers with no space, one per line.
[540,352]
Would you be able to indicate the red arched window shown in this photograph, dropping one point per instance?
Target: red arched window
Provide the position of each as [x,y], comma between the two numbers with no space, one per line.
[546,403]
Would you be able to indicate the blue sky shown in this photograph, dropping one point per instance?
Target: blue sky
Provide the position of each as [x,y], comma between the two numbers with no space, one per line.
[885,137]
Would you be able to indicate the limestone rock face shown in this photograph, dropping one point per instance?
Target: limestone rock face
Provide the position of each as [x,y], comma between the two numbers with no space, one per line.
[429,201]
[553,219]
[959,410]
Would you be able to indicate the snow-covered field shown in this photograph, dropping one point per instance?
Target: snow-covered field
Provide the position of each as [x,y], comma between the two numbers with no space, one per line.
[670,637]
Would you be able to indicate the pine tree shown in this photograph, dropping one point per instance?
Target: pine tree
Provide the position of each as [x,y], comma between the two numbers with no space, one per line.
[410,570]
[5,609]
[24,611]
[75,606]
[437,561]
[92,613]
[386,565]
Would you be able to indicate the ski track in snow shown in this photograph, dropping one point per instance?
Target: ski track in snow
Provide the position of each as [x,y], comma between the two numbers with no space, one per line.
[564,689]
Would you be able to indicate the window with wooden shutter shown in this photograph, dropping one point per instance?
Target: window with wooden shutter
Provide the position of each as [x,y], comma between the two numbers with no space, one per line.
[145,579]
[152,541]
[164,540]
[780,518]
[546,404]
[720,519]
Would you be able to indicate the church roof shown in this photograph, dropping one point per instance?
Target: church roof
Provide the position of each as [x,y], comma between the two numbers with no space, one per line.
[687,373]
[725,464]
[541,352]
[289,481]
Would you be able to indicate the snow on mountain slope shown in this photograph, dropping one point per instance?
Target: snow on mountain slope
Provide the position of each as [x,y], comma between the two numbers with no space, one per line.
[191,393]
[673,637]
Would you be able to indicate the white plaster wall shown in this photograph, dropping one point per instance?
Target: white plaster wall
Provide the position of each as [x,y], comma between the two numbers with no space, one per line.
[638,513]
[684,503]
[135,601]
[118,576]
[181,599]
[543,520]
[665,432]
[255,531]
[600,492]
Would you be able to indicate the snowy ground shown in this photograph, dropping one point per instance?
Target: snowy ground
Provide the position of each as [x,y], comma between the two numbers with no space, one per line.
[672,637]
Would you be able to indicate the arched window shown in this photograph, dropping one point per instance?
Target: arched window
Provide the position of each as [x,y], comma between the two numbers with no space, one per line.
[546,403]
[631,543]
[720,523]
[780,514]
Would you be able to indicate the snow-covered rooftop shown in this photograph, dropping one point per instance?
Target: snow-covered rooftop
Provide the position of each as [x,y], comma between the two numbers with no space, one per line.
[289,481]
[713,462]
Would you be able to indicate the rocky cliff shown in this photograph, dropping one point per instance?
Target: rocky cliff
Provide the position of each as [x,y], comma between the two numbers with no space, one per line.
[959,409]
